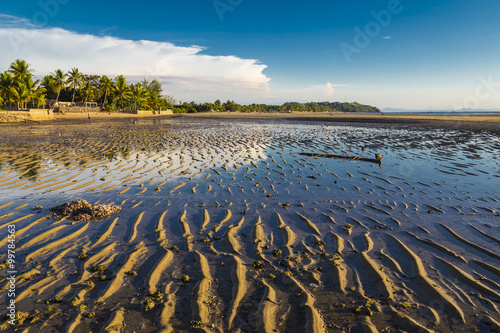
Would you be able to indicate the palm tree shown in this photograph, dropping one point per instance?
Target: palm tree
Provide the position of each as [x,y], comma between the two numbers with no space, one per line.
[31,86]
[40,98]
[153,86]
[106,86]
[20,69]
[7,88]
[23,94]
[88,91]
[60,81]
[139,95]
[122,90]
[154,100]
[75,81]
[49,83]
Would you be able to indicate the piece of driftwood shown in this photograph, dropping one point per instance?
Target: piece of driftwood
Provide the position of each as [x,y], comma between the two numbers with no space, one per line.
[377,160]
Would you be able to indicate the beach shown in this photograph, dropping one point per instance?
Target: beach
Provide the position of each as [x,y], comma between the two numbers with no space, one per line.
[218,222]
[471,121]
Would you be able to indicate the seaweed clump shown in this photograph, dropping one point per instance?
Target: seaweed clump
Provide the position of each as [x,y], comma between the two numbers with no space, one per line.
[81,210]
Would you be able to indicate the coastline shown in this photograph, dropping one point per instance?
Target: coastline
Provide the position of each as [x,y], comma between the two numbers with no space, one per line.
[475,122]
[471,122]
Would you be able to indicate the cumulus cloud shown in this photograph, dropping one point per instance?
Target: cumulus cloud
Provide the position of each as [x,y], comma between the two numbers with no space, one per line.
[323,92]
[186,73]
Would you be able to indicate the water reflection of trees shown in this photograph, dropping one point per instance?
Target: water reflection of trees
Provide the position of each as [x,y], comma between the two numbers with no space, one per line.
[31,170]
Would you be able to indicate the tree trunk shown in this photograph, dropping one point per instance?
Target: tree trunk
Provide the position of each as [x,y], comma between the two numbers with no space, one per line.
[73,99]
[59,92]
[105,96]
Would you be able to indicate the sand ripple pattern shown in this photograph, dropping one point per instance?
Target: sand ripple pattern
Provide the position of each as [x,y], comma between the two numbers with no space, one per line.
[225,227]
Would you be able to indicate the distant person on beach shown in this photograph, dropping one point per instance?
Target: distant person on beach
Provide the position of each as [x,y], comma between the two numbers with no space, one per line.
[89,115]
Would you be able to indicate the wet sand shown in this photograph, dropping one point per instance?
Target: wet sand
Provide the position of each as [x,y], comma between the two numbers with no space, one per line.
[478,122]
[490,122]
[225,227]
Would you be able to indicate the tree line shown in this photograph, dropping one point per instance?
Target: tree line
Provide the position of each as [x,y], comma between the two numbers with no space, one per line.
[231,106]
[20,87]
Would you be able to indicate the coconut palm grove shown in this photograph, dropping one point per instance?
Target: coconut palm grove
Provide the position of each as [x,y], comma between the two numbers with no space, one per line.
[20,88]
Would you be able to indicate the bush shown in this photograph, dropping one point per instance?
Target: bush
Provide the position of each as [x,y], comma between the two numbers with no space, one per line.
[179,110]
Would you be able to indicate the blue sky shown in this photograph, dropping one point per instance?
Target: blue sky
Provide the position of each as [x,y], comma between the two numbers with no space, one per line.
[417,55]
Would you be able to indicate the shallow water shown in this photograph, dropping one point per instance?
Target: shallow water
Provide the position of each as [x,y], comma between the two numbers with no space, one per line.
[430,181]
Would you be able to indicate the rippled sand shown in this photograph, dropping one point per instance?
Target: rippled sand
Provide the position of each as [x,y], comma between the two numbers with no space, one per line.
[225,227]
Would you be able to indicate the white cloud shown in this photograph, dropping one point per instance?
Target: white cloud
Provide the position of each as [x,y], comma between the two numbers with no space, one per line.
[324,92]
[9,21]
[185,72]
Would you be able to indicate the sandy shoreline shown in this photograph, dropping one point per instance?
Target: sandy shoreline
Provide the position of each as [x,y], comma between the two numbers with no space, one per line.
[490,122]
[472,122]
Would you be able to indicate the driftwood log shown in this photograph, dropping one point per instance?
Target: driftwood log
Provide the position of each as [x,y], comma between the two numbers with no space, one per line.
[377,160]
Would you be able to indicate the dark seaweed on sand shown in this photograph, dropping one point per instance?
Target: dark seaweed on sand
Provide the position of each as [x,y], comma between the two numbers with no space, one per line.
[81,210]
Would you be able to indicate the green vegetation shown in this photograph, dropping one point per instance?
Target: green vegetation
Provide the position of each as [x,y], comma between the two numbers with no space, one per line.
[89,314]
[277,253]
[231,106]
[20,88]
[148,304]
[17,85]
[99,268]
[258,264]
[404,305]
[82,257]
[89,285]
